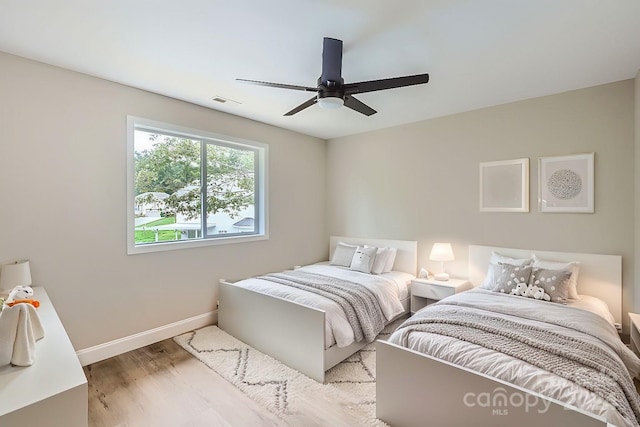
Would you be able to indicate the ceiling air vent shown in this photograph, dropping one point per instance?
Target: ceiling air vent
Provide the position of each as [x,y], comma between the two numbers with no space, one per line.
[224,100]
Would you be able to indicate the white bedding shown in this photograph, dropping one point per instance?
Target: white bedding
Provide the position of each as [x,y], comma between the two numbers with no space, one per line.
[594,305]
[515,371]
[389,288]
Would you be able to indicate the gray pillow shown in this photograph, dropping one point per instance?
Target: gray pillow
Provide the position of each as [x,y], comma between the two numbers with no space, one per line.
[490,279]
[554,282]
[508,276]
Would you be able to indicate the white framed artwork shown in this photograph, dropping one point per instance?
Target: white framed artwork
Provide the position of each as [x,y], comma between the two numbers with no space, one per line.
[504,186]
[566,183]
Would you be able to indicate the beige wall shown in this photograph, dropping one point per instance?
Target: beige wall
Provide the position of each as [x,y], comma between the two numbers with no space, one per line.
[63,186]
[63,181]
[420,181]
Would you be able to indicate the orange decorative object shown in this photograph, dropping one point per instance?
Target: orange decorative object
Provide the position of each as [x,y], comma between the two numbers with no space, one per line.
[33,302]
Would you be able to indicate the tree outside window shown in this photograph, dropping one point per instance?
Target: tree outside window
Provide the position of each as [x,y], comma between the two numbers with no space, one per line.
[177,198]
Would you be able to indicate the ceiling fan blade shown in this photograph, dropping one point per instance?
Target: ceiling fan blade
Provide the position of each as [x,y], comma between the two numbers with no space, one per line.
[279,85]
[331,61]
[360,107]
[374,85]
[302,106]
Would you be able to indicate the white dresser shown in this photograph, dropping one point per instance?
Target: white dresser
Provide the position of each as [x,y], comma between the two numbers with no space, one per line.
[53,391]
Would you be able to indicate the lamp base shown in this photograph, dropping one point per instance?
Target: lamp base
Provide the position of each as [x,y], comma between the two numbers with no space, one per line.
[443,277]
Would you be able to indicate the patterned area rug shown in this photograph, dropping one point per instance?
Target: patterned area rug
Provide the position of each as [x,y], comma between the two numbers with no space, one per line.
[349,388]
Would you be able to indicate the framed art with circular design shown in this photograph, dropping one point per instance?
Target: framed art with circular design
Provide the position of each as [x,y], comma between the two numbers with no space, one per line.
[565,183]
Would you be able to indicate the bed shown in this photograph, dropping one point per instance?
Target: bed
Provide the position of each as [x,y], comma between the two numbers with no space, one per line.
[295,332]
[475,384]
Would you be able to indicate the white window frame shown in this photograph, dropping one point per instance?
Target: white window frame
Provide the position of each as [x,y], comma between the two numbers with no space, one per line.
[261,196]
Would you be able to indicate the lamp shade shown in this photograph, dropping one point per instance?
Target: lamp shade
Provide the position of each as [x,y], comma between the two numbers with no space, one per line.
[441,252]
[16,274]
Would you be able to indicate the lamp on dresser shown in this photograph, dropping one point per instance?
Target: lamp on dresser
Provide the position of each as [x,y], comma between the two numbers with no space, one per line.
[441,252]
[14,274]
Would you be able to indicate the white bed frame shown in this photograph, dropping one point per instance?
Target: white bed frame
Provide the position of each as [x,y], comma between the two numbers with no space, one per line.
[436,392]
[294,333]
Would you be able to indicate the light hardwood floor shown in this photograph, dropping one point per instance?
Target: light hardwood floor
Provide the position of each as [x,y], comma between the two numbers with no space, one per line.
[163,385]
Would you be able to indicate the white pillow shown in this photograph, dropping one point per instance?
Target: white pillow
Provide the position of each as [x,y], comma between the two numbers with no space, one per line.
[363,259]
[388,267]
[573,267]
[380,262]
[343,254]
[490,279]
[518,262]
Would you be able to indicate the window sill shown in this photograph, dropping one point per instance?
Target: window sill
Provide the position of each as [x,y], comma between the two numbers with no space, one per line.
[170,246]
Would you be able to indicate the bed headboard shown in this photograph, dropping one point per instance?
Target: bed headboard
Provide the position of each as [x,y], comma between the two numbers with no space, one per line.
[600,275]
[406,258]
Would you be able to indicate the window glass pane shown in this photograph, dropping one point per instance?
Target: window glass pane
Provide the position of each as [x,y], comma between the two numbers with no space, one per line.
[231,190]
[192,188]
[167,188]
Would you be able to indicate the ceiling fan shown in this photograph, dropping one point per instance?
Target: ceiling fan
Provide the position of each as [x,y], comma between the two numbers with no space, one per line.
[332,92]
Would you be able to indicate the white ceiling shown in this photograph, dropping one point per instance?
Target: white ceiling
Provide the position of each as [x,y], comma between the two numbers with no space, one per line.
[478,53]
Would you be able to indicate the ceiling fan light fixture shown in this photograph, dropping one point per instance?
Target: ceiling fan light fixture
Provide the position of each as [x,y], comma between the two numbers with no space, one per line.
[330,103]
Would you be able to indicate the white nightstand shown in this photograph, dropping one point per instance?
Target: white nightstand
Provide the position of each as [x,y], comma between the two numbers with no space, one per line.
[426,291]
[634,331]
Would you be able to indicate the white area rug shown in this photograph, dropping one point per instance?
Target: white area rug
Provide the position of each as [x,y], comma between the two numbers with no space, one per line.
[349,388]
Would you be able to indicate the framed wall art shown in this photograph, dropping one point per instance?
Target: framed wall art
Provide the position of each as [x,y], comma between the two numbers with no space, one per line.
[504,186]
[566,183]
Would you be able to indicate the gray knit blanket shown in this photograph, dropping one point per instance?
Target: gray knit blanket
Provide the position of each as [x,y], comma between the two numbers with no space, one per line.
[359,304]
[574,359]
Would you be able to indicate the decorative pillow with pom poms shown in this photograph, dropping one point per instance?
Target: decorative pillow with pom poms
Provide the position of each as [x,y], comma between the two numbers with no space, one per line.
[509,276]
[555,283]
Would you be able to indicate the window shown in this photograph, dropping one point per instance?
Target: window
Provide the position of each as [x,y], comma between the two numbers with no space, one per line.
[188,187]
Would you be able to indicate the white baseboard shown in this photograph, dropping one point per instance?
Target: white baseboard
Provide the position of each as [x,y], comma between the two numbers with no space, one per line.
[113,348]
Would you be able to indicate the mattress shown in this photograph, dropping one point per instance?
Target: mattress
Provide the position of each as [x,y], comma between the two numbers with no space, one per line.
[584,321]
[389,288]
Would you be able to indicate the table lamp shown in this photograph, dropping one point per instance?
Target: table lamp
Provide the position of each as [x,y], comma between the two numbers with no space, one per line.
[15,274]
[441,252]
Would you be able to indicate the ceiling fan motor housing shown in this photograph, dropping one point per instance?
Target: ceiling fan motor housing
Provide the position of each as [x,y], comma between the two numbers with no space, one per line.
[330,90]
